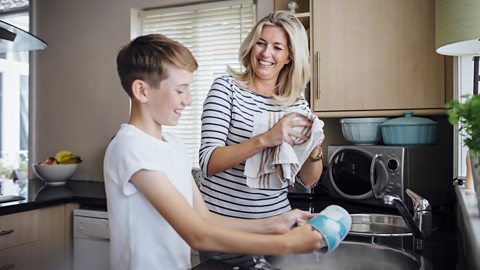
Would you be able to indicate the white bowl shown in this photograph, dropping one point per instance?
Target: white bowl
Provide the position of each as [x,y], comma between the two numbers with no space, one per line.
[362,131]
[55,174]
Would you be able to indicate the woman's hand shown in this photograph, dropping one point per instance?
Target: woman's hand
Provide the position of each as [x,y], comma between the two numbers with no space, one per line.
[288,130]
[316,150]
[286,221]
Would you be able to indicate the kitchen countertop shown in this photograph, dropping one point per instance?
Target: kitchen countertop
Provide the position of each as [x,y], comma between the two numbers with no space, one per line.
[468,206]
[440,249]
[38,195]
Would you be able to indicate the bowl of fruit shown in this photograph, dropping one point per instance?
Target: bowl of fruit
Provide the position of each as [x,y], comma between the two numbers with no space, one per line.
[55,171]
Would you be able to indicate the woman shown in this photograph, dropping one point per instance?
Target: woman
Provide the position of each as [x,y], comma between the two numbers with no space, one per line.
[276,60]
[277,70]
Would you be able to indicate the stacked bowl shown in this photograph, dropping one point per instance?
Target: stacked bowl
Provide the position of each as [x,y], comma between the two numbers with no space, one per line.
[362,131]
[401,131]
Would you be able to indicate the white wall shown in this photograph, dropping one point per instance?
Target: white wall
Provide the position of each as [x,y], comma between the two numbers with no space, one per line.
[77,102]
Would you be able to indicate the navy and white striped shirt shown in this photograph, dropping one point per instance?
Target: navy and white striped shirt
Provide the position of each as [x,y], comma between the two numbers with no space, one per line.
[227,119]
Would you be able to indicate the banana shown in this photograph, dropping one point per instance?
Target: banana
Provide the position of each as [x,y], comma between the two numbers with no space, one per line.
[72,160]
[62,155]
[67,157]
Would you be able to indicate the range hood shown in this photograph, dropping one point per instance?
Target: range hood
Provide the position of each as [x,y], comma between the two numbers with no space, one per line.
[14,39]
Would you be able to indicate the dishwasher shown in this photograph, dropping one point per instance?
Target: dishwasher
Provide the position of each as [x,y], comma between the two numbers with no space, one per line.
[91,240]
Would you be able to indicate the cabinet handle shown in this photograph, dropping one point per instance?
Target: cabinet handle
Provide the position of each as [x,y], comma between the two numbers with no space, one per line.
[5,232]
[318,75]
[7,267]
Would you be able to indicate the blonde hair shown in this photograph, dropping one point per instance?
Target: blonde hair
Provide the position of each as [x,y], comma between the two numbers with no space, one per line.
[294,77]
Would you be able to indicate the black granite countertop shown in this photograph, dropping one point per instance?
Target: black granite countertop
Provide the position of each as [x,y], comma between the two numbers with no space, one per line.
[38,195]
[440,249]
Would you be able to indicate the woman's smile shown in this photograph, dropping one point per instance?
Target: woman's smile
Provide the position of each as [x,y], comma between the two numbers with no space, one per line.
[270,53]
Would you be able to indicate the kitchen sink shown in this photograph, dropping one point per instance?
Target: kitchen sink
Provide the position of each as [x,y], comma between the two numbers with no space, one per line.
[352,256]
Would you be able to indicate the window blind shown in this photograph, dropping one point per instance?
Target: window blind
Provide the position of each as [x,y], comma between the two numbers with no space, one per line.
[213,32]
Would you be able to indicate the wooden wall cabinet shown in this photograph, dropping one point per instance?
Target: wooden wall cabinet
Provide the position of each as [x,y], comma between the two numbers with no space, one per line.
[375,57]
[38,239]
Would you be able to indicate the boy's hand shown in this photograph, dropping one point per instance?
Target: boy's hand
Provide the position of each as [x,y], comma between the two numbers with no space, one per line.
[286,221]
[304,239]
[334,223]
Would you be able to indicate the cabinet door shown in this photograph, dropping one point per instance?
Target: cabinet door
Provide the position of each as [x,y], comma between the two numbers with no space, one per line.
[55,228]
[17,229]
[22,257]
[376,55]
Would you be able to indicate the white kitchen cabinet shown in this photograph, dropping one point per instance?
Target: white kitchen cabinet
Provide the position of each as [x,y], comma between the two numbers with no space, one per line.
[38,239]
[375,57]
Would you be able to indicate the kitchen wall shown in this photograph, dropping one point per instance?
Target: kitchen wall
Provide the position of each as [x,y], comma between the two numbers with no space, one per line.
[76,101]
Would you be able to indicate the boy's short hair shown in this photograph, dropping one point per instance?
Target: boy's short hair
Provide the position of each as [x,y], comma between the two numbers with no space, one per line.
[146,58]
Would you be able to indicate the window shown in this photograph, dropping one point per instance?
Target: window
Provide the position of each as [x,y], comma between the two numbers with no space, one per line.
[213,32]
[463,85]
[14,93]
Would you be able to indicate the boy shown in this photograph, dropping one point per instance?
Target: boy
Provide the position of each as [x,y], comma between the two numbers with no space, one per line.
[156,211]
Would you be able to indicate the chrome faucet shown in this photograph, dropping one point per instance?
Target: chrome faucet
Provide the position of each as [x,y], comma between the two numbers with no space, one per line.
[422,212]
[420,223]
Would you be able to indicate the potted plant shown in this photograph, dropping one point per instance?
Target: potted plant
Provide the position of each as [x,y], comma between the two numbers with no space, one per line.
[466,113]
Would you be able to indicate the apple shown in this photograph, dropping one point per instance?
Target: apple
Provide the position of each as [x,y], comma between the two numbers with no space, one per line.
[50,161]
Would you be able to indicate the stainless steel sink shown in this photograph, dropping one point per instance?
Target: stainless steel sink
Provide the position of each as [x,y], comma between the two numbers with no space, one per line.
[378,225]
[352,256]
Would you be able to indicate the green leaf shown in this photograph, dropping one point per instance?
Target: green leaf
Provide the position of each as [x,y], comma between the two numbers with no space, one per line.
[466,115]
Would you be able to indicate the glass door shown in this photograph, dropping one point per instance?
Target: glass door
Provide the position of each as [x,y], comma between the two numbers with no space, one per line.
[350,173]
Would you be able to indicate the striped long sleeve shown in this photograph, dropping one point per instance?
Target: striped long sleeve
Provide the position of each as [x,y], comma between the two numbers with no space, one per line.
[227,119]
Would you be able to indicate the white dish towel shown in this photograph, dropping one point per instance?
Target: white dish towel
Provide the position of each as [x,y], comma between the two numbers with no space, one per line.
[276,167]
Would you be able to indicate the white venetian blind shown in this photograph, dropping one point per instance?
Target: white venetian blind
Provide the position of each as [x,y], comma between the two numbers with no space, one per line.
[213,32]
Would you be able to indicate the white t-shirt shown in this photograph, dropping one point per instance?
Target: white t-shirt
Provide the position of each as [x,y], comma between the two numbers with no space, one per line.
[140,237]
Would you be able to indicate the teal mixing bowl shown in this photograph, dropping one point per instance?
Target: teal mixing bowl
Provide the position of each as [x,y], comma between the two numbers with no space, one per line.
[362,131]
[409,130]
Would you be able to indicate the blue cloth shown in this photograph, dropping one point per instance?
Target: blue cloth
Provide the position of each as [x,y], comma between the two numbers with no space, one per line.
[333,223]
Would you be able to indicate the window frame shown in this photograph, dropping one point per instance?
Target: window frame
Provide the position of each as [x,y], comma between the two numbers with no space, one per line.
[463,84]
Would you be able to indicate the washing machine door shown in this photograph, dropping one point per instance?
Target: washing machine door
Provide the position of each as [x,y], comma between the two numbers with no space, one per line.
[353,171]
